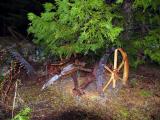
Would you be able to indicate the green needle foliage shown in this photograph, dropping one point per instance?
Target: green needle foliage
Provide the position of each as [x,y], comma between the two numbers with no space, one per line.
[75,26]
[147,15]
[81,26]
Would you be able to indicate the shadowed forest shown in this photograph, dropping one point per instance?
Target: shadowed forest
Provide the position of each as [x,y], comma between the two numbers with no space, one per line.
[80,60]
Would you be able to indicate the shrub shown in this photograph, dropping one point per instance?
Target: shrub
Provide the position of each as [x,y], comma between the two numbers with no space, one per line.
[75,26]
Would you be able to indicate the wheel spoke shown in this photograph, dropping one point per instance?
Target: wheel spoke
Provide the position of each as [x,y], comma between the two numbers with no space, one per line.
[107,68]
[114,83]
[121,65]
[107,83]
[115,58]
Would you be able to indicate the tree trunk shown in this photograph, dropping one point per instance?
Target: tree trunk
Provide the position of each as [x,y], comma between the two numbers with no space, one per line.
[128,17]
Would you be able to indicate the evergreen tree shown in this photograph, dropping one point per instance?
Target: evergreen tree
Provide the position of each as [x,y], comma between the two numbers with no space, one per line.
[75,26]
[147,24]
[81,26]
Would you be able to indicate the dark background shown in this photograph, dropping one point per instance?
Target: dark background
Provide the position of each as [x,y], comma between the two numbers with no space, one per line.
[13,13]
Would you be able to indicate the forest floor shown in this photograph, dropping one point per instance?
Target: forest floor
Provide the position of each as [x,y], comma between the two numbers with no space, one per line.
[140,100]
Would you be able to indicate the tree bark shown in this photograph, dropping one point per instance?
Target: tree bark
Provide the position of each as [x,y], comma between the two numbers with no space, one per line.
[128,17]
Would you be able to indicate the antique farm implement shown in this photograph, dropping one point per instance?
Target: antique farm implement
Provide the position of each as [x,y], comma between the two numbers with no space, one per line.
[115,71]
[65,69]
[113,67]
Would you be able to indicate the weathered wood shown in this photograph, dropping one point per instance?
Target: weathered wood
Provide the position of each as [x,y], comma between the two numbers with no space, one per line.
[115,66]
[126,65]
[115,72]
[85,69]
[111,79]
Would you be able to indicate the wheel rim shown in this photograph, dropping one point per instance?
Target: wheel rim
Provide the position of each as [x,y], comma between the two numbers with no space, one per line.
[115,71]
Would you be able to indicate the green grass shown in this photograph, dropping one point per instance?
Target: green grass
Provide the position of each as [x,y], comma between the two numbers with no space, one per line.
[145,93]
[124,113]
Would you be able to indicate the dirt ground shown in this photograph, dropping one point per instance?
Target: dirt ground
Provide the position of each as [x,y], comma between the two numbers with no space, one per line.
[140,100]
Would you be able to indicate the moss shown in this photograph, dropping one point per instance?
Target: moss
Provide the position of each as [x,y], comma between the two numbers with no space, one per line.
[145,93]
[124,113]
[121,113]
